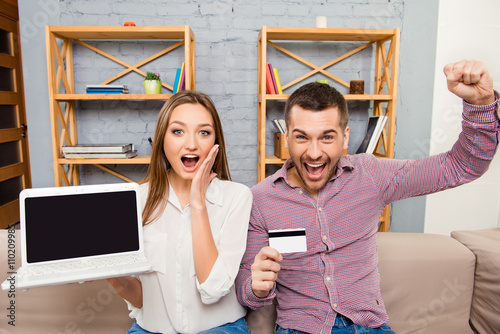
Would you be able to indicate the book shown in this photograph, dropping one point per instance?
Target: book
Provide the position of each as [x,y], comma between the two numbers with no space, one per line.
[183,78]
[98,148]
[104,92]
[277,79]
[178,87]
[378,132]
[373,131]
[106,89]
[277,125]
[274,79]
[269,82]
[282,124]
[104,155]
[177,79]
[107,86]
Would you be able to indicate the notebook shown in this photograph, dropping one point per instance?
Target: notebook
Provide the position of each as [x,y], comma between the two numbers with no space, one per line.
[78,234]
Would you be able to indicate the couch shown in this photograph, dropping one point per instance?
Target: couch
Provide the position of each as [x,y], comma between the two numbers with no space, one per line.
[430,284]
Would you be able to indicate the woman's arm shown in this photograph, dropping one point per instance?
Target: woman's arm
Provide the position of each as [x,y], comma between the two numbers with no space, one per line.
[231,242]
[204,250]
[129,288]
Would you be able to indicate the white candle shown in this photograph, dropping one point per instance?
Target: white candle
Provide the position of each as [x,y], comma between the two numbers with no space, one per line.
[320,21]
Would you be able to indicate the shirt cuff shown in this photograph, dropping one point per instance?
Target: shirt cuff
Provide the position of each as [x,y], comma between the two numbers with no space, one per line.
[217,285]
[255,302]
[483,113]
[136,313]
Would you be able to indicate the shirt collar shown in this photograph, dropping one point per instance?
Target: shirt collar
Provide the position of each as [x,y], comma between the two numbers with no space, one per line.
[214,194]
[344,163]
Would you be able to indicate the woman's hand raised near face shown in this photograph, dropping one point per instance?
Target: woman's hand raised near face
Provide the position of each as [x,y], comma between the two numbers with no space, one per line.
[202,179]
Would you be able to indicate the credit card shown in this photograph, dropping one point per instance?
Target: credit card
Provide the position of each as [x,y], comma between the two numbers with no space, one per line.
[288,240]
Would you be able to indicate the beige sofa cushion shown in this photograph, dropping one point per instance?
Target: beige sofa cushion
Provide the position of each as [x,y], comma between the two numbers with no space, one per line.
[262,321]
[426,282]
[485,244]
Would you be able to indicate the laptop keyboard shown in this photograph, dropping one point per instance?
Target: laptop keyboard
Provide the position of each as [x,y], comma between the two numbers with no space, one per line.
[85,264]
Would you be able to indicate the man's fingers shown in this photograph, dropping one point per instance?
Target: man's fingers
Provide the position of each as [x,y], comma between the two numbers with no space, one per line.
[268,253]
[265,276]
[265,270]
[261,287]
[457,73]
[455,70]
[467,71]
[266,266]
[266,261]
[471,81]
[453,76]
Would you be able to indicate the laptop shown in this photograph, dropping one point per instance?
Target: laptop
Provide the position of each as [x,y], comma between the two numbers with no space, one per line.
[79,233]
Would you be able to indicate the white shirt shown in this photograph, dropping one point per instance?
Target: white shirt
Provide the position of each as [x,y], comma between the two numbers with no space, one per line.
[173,299]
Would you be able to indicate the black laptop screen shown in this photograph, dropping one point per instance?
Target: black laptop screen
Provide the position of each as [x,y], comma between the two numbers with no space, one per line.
[78,225]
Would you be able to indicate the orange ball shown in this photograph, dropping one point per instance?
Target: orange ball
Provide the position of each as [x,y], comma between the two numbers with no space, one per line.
[129,23]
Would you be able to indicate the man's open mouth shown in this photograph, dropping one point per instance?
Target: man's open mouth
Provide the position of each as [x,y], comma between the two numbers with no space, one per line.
[315,171]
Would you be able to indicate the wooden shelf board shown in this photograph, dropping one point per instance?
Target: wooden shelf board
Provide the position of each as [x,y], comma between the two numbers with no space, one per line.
[349,97]
[138,160]
[274,160]
[328,34]
[76,97]
[119,32]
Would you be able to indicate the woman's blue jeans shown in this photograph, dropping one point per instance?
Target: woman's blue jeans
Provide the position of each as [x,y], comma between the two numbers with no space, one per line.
[238,327]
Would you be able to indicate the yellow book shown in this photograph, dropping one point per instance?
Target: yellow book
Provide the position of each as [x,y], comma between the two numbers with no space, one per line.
[180,79]
[278,83]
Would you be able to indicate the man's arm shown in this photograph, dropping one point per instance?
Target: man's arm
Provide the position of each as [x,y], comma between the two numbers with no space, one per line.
[471,154]
[259,267]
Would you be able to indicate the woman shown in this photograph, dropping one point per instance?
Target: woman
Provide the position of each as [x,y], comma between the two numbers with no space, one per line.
[195,227]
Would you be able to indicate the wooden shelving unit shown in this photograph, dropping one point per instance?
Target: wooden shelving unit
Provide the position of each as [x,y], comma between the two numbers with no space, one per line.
[386,44]
[62,93]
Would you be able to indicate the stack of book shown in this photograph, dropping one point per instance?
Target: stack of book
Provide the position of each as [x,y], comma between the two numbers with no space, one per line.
[180,76]
[99,151]
[273,84]
[280,125]
[107,89]
[373,132]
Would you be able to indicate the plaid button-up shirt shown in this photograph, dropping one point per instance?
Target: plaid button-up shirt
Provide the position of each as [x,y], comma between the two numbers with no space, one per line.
[339,271]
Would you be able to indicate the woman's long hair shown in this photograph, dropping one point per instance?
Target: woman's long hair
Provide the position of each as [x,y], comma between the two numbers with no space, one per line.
[157,174]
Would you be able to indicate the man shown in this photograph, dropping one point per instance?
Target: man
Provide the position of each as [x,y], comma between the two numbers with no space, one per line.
[334,286]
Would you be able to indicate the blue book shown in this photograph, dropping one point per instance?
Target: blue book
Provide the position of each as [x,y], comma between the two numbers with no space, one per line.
[105,88]
[176,83]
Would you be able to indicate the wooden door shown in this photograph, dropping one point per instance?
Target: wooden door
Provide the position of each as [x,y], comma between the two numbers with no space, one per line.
[15,173]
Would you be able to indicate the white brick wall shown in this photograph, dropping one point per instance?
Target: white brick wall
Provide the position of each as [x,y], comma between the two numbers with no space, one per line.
[226,35]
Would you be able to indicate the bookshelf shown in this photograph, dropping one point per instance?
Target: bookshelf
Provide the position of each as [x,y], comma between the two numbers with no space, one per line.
[385,43]
[63,97]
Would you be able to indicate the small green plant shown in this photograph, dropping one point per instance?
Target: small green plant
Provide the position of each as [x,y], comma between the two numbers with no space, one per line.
[152,76]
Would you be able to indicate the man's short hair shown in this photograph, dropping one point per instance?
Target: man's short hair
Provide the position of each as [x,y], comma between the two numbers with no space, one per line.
[317,96]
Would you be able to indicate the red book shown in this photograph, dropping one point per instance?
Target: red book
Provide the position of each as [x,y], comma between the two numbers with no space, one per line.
[274,79]
[269,81]
[183,78]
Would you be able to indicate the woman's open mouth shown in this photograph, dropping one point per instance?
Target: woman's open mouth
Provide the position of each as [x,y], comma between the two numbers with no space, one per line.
[190,162]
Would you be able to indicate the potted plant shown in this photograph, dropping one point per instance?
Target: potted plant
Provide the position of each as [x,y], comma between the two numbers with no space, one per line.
[152,83]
